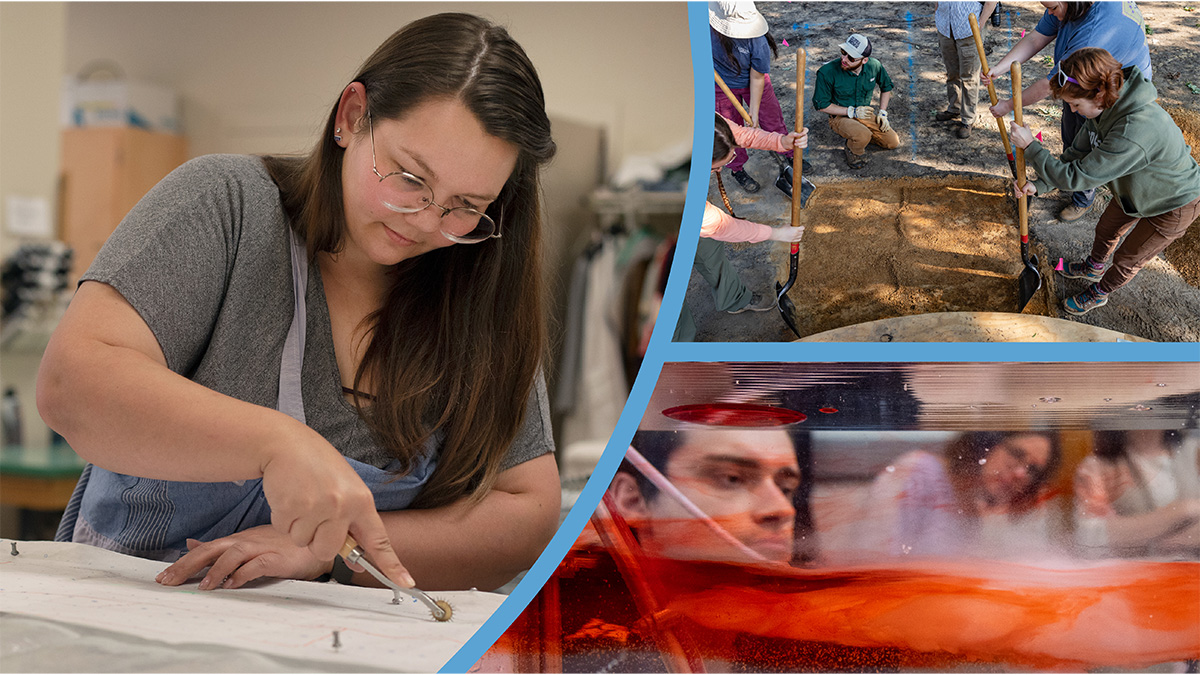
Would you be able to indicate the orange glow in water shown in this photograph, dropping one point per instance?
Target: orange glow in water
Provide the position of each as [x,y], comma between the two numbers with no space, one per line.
[943,614]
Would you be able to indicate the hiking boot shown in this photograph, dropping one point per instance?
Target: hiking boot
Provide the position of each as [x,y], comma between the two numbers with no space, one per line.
[758,303]
[963,131]
[946,116]
[1072,213]
[1086,301]
[1084,269]
[745,180]
[855,161]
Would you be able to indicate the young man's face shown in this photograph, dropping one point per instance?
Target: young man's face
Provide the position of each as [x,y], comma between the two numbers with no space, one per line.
[742,479]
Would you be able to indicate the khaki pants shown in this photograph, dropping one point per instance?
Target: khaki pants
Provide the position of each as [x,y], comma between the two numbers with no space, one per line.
[1150,236]
[858,133]
[962,76]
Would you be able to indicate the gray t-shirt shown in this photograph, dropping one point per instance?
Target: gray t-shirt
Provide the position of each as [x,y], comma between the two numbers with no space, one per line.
[204,259]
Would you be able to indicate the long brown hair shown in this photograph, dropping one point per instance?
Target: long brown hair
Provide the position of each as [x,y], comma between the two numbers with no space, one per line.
[459,340]
[1098,73]
[963,458]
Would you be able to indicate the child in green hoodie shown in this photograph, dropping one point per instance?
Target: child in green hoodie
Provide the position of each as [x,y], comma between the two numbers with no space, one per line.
[1130,144]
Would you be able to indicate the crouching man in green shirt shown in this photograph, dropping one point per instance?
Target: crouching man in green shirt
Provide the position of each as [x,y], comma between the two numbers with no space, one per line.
[845,89]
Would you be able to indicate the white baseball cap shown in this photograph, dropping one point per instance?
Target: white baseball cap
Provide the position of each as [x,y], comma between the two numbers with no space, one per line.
[857,46]
[736,19]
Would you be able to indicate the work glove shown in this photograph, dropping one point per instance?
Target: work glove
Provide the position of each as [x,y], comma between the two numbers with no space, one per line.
[862,112]
[884,125]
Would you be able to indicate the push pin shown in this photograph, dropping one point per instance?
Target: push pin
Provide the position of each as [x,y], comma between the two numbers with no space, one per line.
[14,548]
[337,639]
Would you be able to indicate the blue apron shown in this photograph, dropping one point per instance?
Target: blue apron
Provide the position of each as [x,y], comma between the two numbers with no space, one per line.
[154,518]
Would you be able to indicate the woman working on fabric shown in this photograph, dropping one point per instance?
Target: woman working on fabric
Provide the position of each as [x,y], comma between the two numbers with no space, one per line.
[1115,26]
[1130,144]
[272,353]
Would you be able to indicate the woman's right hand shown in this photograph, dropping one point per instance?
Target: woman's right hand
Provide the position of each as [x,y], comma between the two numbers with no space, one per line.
[789,235]
[1029,190]
[1002,108]
[317,499]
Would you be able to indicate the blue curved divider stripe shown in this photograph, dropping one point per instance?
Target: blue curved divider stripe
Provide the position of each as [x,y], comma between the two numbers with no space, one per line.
[660,346]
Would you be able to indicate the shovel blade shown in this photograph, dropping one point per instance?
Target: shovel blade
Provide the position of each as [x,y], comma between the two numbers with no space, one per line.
[784,183]
[1029,283]
[786,308]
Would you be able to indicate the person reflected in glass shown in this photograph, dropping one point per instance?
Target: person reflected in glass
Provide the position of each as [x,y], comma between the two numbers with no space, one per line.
[927,504]
[1138,494]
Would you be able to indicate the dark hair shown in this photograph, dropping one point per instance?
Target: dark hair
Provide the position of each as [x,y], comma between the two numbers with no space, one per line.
[1099,75]
[727,45]
[658,446]
[458,342]
[722,138]
[1076,11]
[965,453]
[1113,445]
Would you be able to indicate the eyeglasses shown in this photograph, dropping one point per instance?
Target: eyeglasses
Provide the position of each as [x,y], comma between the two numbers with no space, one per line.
[407,193]
[1063,79]
[1022,457]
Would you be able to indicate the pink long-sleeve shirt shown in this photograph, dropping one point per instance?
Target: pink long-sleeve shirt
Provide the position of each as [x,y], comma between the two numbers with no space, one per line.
[720,225]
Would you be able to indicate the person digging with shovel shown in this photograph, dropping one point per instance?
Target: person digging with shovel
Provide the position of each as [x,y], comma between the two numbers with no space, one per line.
[729,293]
[1130,144]
[742,51]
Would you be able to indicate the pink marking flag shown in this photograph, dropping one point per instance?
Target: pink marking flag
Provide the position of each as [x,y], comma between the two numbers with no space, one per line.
[1060,267]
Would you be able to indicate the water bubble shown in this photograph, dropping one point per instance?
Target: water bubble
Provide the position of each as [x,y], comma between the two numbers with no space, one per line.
[1162,384]
[1049,399]
[1033,406]
[905,549]
[982,461]
[891,469]
[1140,407]
[1107,399]
[971,407]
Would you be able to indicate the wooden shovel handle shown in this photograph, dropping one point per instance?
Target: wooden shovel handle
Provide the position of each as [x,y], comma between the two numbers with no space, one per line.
[991,87]
[797,154]
[732,99]
[1018,114]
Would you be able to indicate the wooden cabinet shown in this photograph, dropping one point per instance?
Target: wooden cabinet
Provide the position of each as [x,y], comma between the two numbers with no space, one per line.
[106,170]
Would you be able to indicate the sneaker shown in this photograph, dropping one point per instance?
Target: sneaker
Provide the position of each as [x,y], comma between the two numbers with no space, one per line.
[946,116]
[1082,270]
[1072,213]
[745,180]
[963,131]
[855,161]
[1086,301]
[758,303]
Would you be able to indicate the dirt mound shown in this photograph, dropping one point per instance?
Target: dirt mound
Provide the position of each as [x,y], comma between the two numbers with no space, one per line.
[1184,253]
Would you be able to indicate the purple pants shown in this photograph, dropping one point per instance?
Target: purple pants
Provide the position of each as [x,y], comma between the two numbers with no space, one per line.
[770,116]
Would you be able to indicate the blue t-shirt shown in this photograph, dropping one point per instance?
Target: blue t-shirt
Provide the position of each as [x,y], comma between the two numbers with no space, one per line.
[1117,27]
[750,53]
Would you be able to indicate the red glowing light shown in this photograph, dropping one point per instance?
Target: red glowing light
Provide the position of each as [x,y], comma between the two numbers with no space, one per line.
[828,410]
[734,415]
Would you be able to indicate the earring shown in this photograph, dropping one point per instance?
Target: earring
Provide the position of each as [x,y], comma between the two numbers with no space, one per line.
[336,137]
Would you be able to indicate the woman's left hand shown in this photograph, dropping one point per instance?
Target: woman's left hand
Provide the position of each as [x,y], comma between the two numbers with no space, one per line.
[1021,136]
[798,140]
[263,551]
